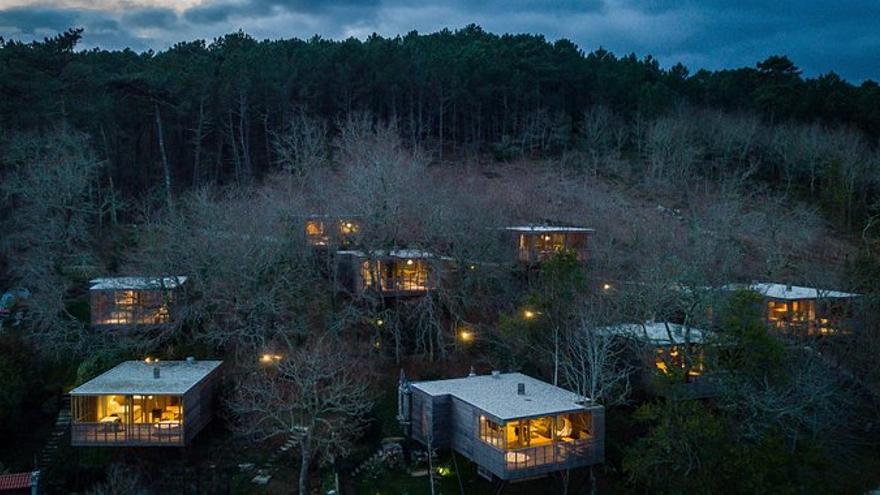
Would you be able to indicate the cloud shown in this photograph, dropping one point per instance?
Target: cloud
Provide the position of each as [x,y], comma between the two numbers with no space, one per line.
[819,35]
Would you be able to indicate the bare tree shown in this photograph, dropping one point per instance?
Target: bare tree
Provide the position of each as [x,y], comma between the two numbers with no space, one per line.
[594,365]
[316,396]
[50,229]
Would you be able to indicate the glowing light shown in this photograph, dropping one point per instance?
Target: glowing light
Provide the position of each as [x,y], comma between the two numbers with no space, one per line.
[444,471]
[473,267]
[148,360]
[270,358]
[380,322]
[529,314]
[606,286]
[466,335]
[410,262]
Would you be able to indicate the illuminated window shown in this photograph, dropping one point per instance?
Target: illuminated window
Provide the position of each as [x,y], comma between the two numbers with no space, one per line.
[491,432]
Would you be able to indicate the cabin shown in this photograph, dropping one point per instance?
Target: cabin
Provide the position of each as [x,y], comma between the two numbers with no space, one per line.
[803,311]
[512,426]
[395,273]
[666,348]
[537,243]
[341,231]
[129,301]
[144,404]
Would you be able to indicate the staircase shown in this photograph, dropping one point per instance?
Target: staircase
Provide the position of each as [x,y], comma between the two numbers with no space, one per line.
[59,433]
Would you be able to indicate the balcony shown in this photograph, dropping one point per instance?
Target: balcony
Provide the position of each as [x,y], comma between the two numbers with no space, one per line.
[167,433]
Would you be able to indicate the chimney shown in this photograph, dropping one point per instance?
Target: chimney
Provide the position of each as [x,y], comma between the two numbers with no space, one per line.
[496,374]
[520,389]
[156,372]
[190,360]
[472,372]
[788,288]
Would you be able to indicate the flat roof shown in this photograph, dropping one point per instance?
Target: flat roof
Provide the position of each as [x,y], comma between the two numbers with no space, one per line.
[497,395]
[137,283]
[548,228]
[791,292]
[136,378]
[394,253]
[656,333]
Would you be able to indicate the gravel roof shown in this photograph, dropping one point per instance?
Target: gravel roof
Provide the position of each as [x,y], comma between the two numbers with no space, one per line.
[548,228]
[792,292]
[137,283]
[136,378]
[497,395]
[655,333]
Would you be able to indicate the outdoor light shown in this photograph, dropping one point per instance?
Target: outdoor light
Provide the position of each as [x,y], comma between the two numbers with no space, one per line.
[380,322]
[148,360]
[466,335]
[409,262]
[529,314]
[606,286]
[270,358]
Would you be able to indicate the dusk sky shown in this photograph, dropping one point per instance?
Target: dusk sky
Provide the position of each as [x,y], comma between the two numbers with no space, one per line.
[819,35]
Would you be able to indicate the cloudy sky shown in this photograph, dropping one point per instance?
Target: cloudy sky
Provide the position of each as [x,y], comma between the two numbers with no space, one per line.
[819,35]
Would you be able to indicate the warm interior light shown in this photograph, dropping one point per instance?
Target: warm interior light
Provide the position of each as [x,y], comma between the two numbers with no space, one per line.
[409,262]
[466,335]
[148,360]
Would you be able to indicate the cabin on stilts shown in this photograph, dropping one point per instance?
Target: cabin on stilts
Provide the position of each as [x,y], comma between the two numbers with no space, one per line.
[144,404]
[512,426]
[133,301]
[537,243]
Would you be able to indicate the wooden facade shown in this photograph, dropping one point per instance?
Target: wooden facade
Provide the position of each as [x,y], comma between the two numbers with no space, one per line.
[536,244]
[571,437]
[129,410]
[133,301]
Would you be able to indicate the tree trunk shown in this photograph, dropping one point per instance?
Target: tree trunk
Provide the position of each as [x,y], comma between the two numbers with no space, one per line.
[197,159]
[165,168]
[306,451]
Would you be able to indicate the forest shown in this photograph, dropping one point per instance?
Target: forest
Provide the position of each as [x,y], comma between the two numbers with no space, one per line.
[209,160]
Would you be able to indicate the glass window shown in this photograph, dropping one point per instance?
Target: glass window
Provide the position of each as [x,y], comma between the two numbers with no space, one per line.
[491,432]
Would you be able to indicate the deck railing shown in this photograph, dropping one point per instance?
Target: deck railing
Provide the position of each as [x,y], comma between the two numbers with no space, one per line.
[127,434]
[560,453]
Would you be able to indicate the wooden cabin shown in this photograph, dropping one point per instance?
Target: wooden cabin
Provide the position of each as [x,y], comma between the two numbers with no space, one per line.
[339,231]
[511,425]
[537,243]
[128,301]
[144,404]
[395,273]
[664,348]
[803,311]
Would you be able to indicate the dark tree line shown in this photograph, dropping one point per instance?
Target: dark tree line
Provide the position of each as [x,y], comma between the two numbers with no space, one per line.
[209,112]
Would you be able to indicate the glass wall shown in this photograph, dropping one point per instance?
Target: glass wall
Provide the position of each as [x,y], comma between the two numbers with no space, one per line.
[130,307]
[536,432]
[127,419]
[397,274]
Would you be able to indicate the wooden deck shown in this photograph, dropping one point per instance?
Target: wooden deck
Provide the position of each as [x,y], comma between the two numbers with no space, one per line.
[140,434]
